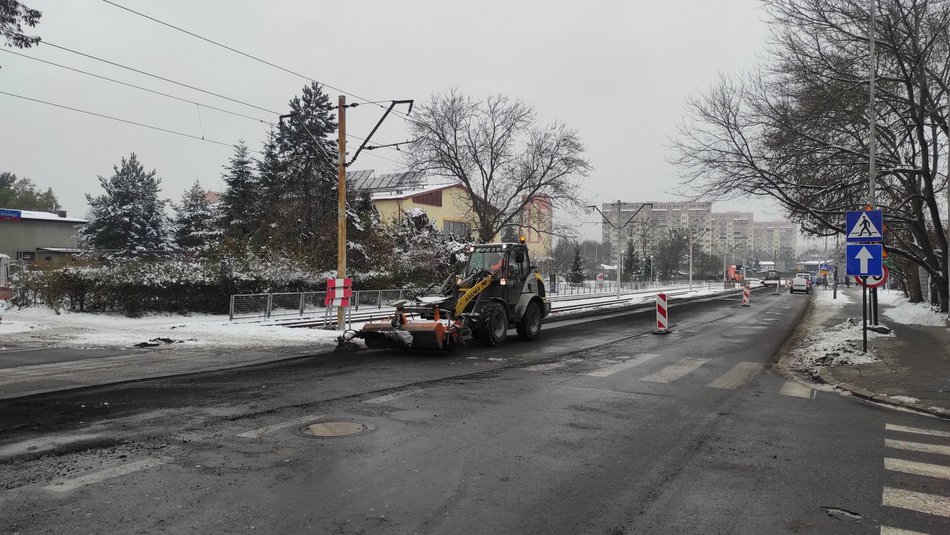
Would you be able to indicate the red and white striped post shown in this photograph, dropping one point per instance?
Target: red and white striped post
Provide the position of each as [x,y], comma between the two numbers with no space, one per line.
[662,315]
[745,295]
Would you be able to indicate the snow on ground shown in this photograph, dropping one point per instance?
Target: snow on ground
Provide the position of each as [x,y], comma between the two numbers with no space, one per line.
[838,345]
[74,329]
[40,325]
[900,310]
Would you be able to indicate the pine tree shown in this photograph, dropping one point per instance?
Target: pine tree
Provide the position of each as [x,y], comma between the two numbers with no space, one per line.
[509,234]
[298,179]
[240,213]
[576,274]
[195,220]
[129,218]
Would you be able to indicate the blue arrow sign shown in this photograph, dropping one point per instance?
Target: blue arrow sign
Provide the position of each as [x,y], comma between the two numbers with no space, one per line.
[864,226]
[865,260]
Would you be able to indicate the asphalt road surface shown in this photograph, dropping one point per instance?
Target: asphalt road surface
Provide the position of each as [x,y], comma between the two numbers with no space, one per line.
[597,427]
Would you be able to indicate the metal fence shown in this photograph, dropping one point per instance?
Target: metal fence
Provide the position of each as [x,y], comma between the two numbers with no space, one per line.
[245,306]
[248,306]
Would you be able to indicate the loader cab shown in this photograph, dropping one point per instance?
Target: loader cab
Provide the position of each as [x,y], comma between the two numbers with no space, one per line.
[510,267]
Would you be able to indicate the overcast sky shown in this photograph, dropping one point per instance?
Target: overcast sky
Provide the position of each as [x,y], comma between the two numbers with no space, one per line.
[617,71]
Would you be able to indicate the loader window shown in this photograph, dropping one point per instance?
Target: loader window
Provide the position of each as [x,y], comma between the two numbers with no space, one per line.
[488,259]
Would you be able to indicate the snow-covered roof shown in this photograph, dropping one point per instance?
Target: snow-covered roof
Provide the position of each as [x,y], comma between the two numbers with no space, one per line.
[385,196]
[71,250]
[46,216]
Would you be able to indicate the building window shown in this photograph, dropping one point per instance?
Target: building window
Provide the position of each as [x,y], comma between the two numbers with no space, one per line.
[433,198]
[459,229]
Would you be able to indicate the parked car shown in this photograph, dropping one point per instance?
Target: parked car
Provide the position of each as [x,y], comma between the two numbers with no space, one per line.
[801,283]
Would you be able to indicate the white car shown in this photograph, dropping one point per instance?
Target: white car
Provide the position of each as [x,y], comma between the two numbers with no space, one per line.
[801,283]
[752,282]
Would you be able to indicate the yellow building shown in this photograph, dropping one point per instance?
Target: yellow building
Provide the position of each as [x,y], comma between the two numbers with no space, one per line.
[448,206]
[537,226]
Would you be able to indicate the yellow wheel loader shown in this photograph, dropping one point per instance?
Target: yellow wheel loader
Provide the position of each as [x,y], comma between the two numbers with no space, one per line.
[499,287]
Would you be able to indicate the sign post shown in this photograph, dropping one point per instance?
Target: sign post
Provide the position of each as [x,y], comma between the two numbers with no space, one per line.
[864,232]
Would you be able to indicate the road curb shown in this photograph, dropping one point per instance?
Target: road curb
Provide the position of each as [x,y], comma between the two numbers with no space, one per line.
[861,392]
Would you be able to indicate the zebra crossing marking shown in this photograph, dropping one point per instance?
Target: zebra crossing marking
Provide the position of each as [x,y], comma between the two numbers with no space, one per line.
[395,395]
[548,366]
[887,530]
[917,430]
[916,446]
[796,389]
[921,502]
[260,432]
[74,483]
[917,468]
[624,365]
[675,371]
[737,376]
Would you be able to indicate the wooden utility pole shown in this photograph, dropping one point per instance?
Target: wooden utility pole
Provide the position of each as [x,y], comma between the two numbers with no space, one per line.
[341,205]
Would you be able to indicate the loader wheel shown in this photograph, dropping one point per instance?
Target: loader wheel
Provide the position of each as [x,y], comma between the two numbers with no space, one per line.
[495,326]
[530,325]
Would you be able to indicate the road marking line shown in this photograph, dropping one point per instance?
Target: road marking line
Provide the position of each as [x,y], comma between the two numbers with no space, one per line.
[625,365]
[551,365]
[919,431]
[916,446]
[67,485]
[887,530]
[737,376]
[794,388]
[674,372]
[258,433]
[930,504]
[916,468]
[395,395]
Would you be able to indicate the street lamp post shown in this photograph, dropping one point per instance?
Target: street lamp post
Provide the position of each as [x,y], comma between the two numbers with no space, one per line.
[651,270]
[619,228]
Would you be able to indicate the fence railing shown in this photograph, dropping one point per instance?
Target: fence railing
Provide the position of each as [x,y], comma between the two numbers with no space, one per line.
[248,306]
[245,306]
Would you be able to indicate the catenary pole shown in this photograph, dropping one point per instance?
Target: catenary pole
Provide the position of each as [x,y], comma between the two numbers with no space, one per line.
[341,205]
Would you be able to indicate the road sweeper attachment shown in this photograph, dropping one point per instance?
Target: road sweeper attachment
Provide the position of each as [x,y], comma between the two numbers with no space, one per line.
[498,287]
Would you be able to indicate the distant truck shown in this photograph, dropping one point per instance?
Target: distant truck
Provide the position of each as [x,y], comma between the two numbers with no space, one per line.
[734,274]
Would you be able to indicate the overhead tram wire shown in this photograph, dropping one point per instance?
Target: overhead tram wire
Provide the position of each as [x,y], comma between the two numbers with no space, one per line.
[143,125]
[249,56]
[162,78]
[222,110]
[169,80]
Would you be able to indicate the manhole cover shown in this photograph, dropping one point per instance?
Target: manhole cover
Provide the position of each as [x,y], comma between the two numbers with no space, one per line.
[333,429]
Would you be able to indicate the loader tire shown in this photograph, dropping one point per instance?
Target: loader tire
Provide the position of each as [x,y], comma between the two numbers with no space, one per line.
[494,328]
[530,325]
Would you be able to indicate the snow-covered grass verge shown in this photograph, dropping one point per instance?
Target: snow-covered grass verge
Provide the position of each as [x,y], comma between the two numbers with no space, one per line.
[898,309]
[838,345]
[70,329]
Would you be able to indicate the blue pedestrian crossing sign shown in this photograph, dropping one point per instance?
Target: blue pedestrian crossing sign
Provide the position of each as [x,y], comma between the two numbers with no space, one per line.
[866,226]
[865,259]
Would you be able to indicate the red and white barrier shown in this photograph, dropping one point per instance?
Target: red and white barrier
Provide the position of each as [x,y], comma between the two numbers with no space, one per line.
[662,315]
[745,296]
[339,292]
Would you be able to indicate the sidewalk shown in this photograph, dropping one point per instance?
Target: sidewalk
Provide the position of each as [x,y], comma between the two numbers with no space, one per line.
[914,366]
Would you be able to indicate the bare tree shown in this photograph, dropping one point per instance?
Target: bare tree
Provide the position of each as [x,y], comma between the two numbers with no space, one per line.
[496,151]
[796,130]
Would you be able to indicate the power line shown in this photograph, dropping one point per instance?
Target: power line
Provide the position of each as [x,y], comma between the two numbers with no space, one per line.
[182,84]
[137,87]
[90,56]
[143,125]
[245,54]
